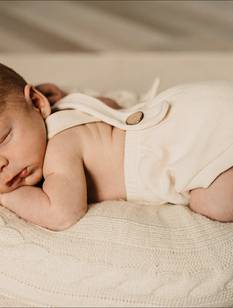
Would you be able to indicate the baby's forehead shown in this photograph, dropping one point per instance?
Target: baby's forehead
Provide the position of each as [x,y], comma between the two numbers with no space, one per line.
[4,118]
[5,110]
[3,106]
[9,113]
[12,100]
[12,104]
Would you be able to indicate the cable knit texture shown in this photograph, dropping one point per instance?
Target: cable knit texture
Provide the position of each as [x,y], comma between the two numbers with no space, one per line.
[120,254]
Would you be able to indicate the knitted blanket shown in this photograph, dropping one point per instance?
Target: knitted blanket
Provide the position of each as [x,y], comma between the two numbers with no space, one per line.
[120,254]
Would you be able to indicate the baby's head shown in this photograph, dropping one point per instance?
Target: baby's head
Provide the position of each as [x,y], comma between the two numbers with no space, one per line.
[23,137]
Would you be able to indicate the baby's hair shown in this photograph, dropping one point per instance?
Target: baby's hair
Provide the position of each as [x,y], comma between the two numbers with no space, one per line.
[11,85]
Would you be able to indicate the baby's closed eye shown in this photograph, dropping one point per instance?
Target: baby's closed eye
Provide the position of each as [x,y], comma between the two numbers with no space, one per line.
[5,136]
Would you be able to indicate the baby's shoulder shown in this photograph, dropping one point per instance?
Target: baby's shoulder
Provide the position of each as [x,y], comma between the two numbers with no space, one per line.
[61,148]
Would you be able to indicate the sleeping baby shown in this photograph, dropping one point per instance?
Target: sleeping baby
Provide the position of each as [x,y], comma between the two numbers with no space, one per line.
[60,152]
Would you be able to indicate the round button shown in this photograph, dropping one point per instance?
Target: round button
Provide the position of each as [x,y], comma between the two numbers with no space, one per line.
[135,118]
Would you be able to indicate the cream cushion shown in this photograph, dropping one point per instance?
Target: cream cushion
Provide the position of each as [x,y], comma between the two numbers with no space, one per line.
[120,254]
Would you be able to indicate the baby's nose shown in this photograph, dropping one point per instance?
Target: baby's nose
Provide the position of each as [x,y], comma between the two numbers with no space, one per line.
[3,162]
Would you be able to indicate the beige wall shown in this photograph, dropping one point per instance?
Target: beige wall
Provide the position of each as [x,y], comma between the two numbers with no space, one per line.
[125,71]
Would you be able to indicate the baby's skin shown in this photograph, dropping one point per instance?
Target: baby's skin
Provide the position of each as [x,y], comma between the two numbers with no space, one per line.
[89,168]
[78,166]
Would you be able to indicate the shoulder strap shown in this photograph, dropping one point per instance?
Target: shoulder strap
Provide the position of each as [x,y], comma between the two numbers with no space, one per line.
[63,119]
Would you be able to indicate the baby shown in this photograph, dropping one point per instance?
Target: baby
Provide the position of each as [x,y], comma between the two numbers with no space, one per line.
[60,152]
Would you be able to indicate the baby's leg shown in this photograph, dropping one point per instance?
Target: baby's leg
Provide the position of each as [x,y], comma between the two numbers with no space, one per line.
[216,201]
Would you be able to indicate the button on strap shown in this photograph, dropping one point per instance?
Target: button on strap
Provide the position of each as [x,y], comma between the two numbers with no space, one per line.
[135,118]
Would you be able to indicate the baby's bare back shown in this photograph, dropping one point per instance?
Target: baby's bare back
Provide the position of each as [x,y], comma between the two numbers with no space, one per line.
[101,147]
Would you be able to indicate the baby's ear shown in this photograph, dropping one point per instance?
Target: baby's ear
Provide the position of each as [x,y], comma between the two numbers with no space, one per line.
[37,100]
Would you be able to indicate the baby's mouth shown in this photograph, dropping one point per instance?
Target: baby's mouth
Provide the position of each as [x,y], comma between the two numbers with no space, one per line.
[16,179]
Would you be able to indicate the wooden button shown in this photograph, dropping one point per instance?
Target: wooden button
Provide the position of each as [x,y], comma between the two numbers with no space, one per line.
[135,118]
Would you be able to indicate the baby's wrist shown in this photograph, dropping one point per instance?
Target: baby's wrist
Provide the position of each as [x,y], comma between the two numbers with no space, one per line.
[2,196]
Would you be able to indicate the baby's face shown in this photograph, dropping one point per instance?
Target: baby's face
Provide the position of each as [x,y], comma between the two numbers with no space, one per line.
[23,143]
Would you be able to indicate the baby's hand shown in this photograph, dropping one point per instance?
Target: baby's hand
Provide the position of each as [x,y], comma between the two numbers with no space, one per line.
[51,91]
[54,94]
[109,102]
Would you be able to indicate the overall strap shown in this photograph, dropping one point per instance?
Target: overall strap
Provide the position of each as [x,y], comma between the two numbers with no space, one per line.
[77,108]
[63,119]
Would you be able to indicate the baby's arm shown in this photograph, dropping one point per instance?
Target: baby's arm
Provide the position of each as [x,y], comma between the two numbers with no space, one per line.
[54,94]
[62,200]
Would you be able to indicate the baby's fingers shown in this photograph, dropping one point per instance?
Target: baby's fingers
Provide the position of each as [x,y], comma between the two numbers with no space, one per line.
[51,91]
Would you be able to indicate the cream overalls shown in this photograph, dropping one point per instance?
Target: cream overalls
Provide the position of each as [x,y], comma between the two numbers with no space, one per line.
[176,141]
